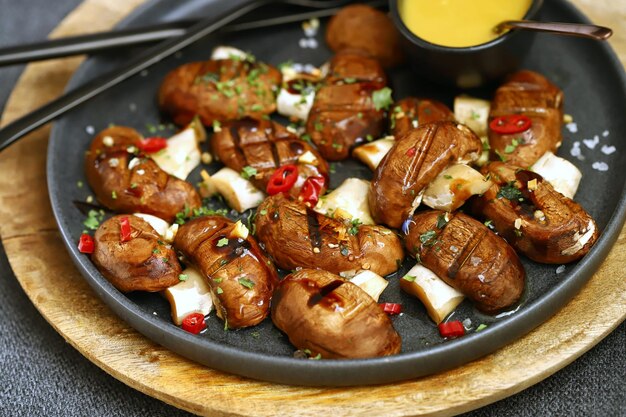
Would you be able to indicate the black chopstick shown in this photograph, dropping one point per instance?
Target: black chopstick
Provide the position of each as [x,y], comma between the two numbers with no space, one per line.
[97,42]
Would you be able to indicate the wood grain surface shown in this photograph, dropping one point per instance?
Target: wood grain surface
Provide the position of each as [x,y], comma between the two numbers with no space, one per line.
[45,271]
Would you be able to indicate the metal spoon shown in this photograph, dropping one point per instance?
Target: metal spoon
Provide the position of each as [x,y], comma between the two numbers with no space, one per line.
[573,29]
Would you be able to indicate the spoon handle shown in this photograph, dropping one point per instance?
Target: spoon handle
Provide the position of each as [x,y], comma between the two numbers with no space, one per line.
[572,29]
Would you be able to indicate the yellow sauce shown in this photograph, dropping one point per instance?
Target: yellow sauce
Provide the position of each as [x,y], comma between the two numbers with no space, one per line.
[459,23]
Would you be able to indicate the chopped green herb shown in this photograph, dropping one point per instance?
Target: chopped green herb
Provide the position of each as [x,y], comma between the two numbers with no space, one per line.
[480,327]
[263,212]
[441,221]
[486,146]
[248,172]
[113,195]
[382,98]
[510,192]
[448,177]
[133,185]
[156,251]
[306,137]
[256,107]
[409,278]
[182,277]
[331,168]
[359,115]
[219,290]
[428,238]
[369,138]
[256,335]
[354,228]
[517,232]
[218,280]
[475,116]
[79,184]
[318,126]
[93,219]
[216,125]
[246,282]
[349,80]
[222,242]
[502,158]
[488,223]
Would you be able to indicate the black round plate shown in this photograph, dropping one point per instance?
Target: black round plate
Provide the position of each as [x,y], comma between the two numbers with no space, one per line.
[595,93]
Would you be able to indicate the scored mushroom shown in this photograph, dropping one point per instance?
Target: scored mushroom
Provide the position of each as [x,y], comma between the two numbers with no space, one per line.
[329,316]
[413,163]
[468,256]
[219,90]
[349,106]
[257,148]
[538,221]
[525,119]
[126,181]
[131,255]
[296,236]
[240,276]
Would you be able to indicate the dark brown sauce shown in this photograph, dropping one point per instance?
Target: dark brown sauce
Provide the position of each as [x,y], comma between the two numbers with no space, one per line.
[324,295]
[314,228]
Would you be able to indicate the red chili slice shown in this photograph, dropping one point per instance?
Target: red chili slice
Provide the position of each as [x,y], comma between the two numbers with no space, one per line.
[411,151]
[312,189]
[510,124]
[391,308]
[125,230]
[282,179]
[152,145]
[85,244]
[194,323]
[451,329]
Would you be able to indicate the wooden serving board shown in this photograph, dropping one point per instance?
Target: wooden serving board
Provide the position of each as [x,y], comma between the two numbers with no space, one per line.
[47,275]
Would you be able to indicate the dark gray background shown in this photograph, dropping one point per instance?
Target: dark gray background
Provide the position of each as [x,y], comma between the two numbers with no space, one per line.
[40,374]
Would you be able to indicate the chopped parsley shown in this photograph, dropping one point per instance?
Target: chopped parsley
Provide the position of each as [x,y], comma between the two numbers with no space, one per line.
[222,242]
[219,290]
[354,227]
[441,221]
[382,98]
[481,327]
[263,212]
[246,282]
[256,107]
[429,238]
[217,125]
[248,172]
[114,195]
[510,192]
[93,219]
[318,126]
[182,277]
[514,144]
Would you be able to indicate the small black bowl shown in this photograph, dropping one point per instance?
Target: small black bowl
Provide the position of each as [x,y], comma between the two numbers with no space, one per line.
[471,66]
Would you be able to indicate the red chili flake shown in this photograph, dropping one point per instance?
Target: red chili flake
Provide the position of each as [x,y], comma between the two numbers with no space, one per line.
[311,189]
[194,323]
[451,329]
[282,179]
[391,308]
[125,229]
[411,151]
[85,244]
[152,145]
[510,124]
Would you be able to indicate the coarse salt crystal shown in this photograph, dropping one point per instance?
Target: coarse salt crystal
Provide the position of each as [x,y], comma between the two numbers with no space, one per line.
[560,269]
[605,133]
[600,166]
[90,130]
[114,162]
[591,143]
[608,149]
[575,151]
[572,127]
